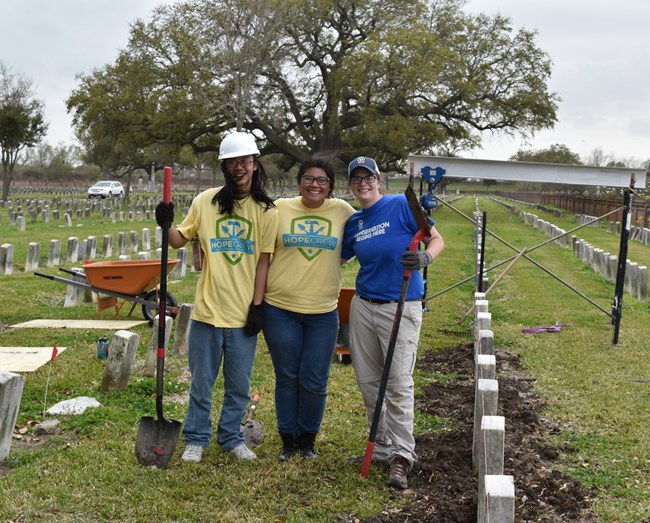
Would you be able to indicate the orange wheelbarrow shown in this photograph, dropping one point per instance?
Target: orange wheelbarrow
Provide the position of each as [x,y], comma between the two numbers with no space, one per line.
[130,280]
[342,348]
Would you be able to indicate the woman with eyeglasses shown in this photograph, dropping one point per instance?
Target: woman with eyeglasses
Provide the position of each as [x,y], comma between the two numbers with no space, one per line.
[301,318]
[379,235]
[237,226]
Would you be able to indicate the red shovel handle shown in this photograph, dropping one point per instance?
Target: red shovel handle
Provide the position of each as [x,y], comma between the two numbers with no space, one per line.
[162,303]
[167,185]
[367,458]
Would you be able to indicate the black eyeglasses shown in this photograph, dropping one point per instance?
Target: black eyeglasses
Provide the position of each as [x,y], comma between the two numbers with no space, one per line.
[243,163]
[356,180]
[321,180]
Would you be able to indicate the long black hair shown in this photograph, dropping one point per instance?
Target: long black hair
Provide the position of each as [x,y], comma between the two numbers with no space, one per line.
[229,196]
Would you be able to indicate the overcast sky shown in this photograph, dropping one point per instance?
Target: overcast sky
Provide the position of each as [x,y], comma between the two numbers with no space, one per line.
[600,50]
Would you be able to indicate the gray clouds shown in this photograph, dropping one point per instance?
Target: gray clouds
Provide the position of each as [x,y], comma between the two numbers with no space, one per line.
[600,60]
[50,42]
[599,51]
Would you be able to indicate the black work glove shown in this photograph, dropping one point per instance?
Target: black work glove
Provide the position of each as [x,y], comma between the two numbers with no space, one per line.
[416,259]
[164,213]
[255,320]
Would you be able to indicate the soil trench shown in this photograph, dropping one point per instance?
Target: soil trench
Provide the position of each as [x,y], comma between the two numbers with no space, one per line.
[443,487]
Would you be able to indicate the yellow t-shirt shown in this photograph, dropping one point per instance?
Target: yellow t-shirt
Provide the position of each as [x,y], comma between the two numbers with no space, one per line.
[304,275]
[231,245]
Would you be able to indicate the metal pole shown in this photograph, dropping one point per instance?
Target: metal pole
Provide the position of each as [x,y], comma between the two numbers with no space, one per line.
[482,258]
[425,271]
[528,258]
[617,304]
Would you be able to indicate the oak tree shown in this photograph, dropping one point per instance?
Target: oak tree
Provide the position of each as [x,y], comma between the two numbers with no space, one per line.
[22,122]
[371,77]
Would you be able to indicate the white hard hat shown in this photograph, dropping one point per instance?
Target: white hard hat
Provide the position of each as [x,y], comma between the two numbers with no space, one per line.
[238,144]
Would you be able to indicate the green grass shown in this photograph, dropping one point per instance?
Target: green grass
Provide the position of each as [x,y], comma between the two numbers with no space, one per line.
[88,471]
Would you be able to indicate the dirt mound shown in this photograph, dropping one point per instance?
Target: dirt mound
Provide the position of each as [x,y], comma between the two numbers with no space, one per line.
[443,487]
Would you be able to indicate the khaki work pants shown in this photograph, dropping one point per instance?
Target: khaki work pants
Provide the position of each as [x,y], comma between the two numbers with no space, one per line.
[370,331]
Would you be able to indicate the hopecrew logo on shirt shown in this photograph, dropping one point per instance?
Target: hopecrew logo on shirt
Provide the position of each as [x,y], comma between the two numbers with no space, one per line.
[232,240]
[310,235]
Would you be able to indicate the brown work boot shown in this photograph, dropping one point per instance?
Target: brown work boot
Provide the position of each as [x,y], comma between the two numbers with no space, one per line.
[399,469]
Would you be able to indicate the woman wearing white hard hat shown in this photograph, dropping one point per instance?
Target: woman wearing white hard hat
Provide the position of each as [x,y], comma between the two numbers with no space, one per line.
[237,225]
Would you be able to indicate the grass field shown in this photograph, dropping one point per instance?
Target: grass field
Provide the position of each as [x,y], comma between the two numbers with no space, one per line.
[87,472]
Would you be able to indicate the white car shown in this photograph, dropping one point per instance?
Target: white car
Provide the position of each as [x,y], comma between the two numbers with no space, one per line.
[106,190]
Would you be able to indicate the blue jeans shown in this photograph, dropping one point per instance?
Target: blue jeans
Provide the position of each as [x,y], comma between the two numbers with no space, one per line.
[208,346]
[301,347]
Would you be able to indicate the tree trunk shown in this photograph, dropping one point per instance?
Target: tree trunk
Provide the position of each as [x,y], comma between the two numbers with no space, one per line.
[7,176]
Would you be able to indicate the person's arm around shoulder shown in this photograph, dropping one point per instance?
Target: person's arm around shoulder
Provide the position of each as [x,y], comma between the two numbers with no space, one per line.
[345,258]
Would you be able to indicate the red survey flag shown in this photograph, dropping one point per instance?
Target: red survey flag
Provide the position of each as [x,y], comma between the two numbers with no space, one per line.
[54,352]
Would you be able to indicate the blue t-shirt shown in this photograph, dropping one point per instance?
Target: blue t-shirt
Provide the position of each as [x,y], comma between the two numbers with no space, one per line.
[378,237]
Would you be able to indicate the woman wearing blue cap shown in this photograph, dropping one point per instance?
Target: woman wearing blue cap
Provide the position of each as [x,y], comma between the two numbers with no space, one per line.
[379,235]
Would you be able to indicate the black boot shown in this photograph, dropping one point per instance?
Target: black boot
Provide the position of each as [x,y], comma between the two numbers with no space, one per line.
[306,443]
[289,446]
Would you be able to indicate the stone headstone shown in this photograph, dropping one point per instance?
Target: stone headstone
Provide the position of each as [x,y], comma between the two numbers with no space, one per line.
[121,243]
[182,329]
[74,295]
[54,256]
[73,249]
[181,267]
[91,248]
[107,246]
[33,255]
[146,239]
[11,391]
[6,258]
[119,363]
[133,241]
[151,356]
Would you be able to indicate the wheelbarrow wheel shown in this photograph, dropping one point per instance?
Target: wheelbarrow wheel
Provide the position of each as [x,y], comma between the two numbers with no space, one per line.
[344,359]
[150,311]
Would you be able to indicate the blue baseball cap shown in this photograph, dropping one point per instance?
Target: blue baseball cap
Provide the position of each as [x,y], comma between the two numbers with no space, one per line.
[363,161]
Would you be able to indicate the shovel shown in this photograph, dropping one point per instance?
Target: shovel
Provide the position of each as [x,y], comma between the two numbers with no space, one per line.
[423,223]
[156,440]
[253,430]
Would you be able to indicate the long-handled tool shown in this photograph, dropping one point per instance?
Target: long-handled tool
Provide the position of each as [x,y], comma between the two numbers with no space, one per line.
[156,440]
[253,430]
[423,223]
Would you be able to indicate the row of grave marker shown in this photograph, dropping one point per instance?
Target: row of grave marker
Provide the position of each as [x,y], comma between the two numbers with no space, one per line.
[604,263]
[128,245]
[496,490]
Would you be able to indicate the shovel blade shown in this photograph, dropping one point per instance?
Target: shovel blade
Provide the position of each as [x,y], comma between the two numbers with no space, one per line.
[419,214]
[253,433]
[156,441]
